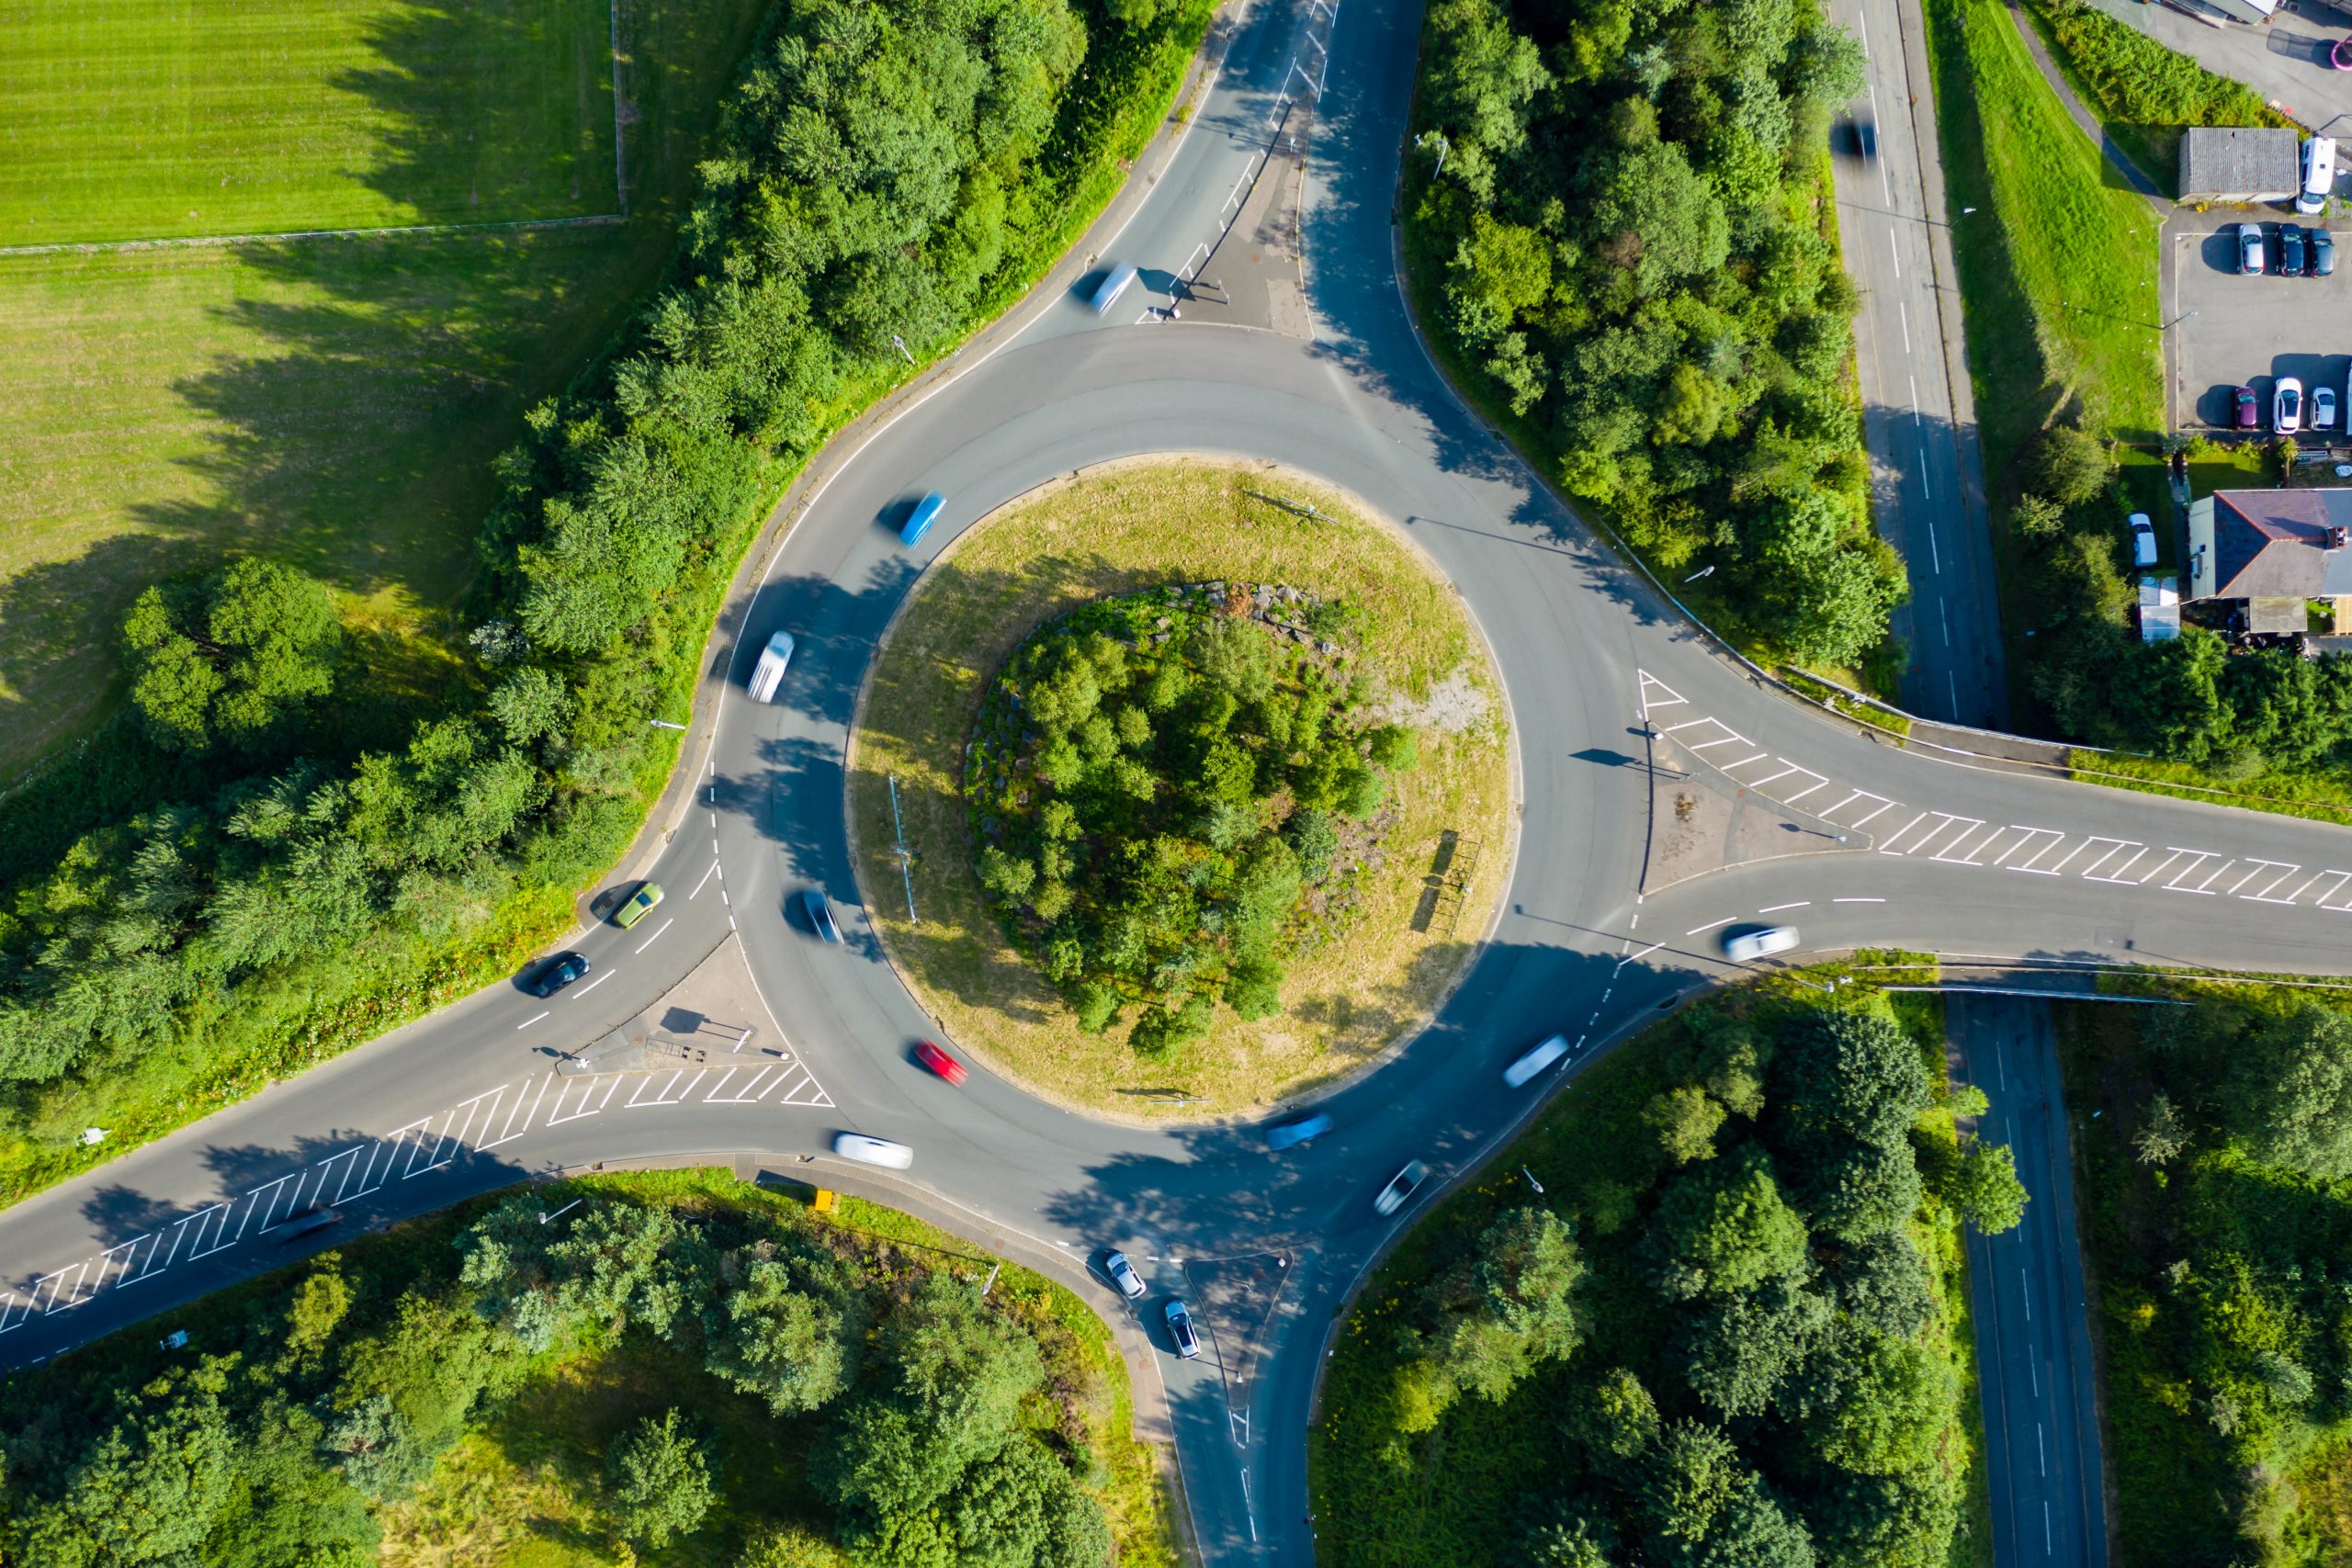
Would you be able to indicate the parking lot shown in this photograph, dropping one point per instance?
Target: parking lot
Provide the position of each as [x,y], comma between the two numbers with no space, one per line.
[2234,331]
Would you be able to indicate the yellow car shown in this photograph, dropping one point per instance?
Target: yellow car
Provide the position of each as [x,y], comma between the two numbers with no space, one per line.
[639,907]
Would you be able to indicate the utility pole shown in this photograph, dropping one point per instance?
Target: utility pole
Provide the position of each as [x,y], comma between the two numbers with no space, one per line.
[906,855]
[900,344]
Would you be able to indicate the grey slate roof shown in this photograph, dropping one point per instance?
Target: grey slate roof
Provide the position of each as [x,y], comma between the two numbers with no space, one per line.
[2274,542]
[2239,159]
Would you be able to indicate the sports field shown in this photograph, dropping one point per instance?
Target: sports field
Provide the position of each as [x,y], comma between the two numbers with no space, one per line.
[336,402]
[130,120]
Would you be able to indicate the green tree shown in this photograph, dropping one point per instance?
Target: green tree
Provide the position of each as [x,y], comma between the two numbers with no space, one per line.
[2069,465]
[1724,1227]
[1852,1072]
[661,1481]
[784,1344]
[233,659]
[1686,1122]
[2287,1093]
[1737,1352]
[1615,1420]
[1984,1188]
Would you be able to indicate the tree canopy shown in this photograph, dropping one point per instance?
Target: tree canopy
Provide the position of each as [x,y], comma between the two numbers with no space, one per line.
[1160,789]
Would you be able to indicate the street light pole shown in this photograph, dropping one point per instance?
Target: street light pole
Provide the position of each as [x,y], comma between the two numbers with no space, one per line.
[900,344]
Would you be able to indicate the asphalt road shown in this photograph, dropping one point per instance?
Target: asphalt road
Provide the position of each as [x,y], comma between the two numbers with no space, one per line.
[1918,418]
[2038,1382]
[1936,854]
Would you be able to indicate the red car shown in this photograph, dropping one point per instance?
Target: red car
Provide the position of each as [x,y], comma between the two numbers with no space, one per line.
[939,1060]
[2247,407]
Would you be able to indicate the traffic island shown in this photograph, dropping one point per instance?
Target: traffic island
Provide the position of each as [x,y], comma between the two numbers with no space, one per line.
[1171,565]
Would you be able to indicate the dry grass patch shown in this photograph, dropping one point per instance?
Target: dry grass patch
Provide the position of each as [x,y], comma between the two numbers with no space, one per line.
[1114,530]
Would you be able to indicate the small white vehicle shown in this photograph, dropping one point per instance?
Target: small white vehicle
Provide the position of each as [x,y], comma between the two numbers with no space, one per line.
[2322,408]
[768,673]
[1535,1061]
[873,1151]
[2287,406]
[1747,946]
[1400,1186]
[2143,540]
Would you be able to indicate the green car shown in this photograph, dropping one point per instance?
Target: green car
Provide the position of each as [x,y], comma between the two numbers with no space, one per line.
[639,907]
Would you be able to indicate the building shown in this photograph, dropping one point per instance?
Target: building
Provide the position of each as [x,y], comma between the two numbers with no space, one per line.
[2265,554]
[2240,162]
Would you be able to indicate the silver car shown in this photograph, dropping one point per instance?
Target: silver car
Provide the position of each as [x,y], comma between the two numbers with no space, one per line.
[1401,1186]
[873,1151]
[1747,946]
[1122,1274]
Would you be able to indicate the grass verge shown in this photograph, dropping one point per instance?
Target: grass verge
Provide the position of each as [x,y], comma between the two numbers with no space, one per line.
[2323,796]
[1145,525]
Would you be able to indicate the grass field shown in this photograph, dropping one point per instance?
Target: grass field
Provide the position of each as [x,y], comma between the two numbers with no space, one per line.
[133,119]
[1141,526]
[333,401]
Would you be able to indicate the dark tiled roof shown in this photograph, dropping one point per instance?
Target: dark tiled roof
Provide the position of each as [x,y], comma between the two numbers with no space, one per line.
[2274,542]
[2239,161]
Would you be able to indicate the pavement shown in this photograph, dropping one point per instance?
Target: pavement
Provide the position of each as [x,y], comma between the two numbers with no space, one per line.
[2231,330]
[1918,410]
[1912,847]
[2038,1380]
[2285,61]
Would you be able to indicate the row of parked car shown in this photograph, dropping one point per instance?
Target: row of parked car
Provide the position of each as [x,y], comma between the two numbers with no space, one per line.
[2291,408]
[2300,251]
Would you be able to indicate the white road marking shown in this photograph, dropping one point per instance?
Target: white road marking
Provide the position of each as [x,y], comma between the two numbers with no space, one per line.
[1776,909]
[1711,925]
[657,930]
[1858,900]
[529,1021]
[1927,493]
[591,984]
[1896,252]
[1644,953]
[706,879]
[1903,315]
[1943,615]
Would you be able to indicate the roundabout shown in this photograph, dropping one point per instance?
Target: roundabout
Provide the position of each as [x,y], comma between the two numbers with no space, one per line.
[1389,913]
[1896,848]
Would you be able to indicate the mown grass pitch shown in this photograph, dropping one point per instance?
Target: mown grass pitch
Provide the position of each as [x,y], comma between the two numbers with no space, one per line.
[130,120]
[335,402]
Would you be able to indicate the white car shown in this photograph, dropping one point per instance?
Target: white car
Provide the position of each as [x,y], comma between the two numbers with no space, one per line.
[1400,1186]
[873,1151]
[1122,1274]
[2143,540]
[1535,1061]
[2287,406]
[768,673]
[1747,947]
[2322,408]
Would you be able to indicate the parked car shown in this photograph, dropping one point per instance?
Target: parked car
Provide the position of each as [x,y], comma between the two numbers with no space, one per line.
[939,1062]
[1747,945]
[2247,409]
[637,908]
[768,673]
[2143,540]
[1400,1186]
[2252,255]
[2319,176]
[1181,1331]
[2290,250]
[919,520]
[2287,406]
[873,1151]
[565,968]
[814,904]
[1535,1061]
[1122,1273]
[1289,1134]
[2322,408]
[2322,262]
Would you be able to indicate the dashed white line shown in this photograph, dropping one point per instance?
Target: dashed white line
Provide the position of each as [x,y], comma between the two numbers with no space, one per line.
[1896,252]
[657,930]
[1903,315]
[1776,909]
[529,1021]
[706,879]
[1858,900]
[1711,925]
[591,984]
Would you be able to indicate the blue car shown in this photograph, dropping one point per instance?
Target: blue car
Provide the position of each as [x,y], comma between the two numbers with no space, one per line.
[919,520]
[1289,1134]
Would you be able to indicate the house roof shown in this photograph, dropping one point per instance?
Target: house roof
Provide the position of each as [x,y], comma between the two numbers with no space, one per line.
[2277,543]
[2239,159]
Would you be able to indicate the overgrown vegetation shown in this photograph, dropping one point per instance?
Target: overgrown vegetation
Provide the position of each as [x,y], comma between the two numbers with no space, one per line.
[2219,1217]
[2143,92]
[1719,1332]
[1620,230]
[883,169]
[1160,792]
[776,1391]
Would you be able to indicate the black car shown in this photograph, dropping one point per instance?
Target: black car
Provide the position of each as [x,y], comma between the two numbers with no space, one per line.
[2322,260]
[821,915]
[567,967]
[310,1221]
[2291,251]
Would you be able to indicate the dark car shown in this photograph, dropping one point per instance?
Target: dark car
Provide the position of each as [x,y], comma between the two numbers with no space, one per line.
[2290,250]
[821,915]
[2339,57]
[310,1221]
[1180,1329]
[2252,256]
[565,968]
[2248,409]
[2322,262]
